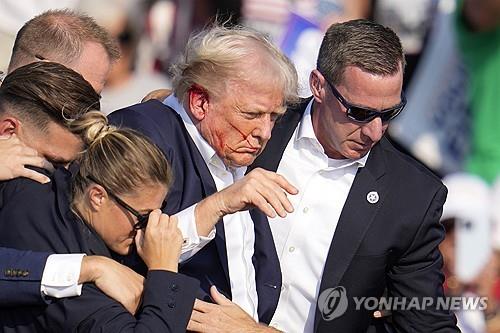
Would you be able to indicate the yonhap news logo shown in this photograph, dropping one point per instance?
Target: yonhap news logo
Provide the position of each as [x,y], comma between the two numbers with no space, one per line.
[333,303]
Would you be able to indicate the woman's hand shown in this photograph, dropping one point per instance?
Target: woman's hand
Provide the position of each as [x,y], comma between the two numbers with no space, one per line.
[159,245]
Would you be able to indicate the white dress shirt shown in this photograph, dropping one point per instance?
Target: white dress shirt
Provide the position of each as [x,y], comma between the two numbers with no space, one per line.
[238,227]
[303,238]
[60,275]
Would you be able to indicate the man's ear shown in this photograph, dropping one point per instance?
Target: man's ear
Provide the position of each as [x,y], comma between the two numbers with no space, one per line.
[198,102]
[97,196]
[317,85]
[9,125]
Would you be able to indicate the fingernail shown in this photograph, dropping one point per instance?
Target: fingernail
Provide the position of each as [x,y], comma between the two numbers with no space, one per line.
[46,180]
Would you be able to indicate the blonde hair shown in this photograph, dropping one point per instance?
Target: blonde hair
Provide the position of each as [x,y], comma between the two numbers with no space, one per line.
[215,56]
[120,159]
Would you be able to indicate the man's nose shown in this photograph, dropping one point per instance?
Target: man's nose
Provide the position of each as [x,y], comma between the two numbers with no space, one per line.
[374,129]
[265,128]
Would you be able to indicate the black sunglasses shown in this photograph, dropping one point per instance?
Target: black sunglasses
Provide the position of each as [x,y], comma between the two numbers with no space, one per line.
[142,219]
[362,114]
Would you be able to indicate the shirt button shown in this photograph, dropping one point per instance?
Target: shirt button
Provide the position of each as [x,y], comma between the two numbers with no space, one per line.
[305,210]
[171,305]
[174,287]
[291,249]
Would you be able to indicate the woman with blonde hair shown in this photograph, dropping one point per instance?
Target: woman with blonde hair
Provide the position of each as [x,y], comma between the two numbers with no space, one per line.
[105,204]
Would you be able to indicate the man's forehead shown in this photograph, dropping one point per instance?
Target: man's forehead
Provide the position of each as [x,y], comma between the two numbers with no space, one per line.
[258,100]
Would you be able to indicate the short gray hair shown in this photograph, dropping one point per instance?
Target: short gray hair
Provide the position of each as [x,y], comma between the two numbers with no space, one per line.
[218,54]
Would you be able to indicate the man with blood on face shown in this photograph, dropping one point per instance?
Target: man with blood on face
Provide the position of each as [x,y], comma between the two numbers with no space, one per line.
[229,88]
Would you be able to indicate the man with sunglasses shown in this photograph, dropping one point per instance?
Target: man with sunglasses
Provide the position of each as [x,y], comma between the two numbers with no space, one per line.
[366,217]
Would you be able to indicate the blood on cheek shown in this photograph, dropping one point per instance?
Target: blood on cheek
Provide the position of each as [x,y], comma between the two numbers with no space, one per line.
[226,133]
[244,136]
[221,138]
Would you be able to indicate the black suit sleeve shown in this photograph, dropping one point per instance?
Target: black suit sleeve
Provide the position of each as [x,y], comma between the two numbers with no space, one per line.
[167,304]
[417,273]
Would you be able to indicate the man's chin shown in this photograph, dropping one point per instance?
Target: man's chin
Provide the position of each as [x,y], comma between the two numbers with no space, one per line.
[357,154]
[242,160]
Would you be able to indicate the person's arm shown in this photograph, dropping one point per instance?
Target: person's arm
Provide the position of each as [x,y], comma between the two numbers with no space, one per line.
[114,279]
[193,240]
[263,189]
[260,188]
[20,276]
[417,273]
[15,156]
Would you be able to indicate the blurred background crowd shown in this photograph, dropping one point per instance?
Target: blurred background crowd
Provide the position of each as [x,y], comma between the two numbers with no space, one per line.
[452,83]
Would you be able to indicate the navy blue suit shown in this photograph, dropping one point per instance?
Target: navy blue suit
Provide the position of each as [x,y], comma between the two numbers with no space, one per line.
[38,217]
[192,183]
[20,276]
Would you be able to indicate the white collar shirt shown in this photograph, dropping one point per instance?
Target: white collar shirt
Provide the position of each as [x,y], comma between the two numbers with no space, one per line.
[238,227]
[303,237]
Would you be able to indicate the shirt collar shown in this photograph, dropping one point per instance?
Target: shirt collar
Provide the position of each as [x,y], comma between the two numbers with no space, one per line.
[305,133]
[207,152]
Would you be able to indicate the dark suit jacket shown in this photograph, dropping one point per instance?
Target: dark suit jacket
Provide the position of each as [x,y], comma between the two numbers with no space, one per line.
[38,217]
[20,276]
[392,244]
[192,183]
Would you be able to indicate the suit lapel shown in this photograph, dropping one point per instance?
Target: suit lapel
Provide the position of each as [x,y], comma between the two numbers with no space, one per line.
[356,217]
[209,188]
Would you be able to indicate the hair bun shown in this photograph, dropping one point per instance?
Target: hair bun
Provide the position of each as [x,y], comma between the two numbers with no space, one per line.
[92,127]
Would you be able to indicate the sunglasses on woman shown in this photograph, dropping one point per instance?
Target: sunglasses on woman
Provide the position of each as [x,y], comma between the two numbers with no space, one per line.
[362,114]
[142,219]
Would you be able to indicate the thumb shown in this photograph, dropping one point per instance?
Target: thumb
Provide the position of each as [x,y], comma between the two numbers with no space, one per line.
[139,241]
[218,297]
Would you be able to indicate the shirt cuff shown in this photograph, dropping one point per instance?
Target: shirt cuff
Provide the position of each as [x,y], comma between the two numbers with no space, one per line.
[192,241]
[61,274]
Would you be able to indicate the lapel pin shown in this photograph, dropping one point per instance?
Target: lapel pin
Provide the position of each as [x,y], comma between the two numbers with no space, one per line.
[372,197]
